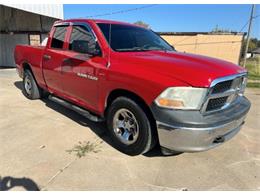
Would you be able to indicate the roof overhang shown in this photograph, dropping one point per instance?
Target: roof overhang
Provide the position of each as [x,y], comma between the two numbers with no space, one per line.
[50,10]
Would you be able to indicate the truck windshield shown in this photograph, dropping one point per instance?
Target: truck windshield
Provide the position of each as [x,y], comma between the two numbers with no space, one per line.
[130,38]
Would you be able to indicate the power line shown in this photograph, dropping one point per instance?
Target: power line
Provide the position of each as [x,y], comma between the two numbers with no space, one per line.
[206,43]
[257,16]
[244,26]
[122,11]
[248,22]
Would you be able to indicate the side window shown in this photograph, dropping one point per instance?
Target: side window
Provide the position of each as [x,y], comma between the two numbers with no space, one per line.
[58,37]
[81,37]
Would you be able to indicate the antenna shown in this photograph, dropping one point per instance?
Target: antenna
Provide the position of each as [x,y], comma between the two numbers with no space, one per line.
[109,47]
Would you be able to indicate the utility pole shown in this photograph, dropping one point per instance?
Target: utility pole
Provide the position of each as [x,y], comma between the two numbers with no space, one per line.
[248,34]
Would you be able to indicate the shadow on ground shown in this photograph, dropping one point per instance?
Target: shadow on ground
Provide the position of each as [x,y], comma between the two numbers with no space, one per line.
[8,183]
[97,127]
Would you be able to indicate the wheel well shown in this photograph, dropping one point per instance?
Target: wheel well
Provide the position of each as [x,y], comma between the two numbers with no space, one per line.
[26,66]
[125,93]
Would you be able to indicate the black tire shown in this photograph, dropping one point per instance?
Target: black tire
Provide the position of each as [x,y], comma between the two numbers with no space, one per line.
[30,87]
[146,138]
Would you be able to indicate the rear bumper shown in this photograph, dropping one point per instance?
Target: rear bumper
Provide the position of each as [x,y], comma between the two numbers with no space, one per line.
[190,131]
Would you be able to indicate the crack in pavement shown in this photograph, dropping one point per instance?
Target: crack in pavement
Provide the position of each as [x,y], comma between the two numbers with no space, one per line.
[57,174]
[244,161]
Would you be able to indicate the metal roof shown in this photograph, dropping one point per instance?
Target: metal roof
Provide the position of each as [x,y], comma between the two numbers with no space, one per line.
[51,10]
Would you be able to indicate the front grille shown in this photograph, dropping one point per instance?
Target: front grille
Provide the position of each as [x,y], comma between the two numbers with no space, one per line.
[222,87]
[224,91]
[216,103]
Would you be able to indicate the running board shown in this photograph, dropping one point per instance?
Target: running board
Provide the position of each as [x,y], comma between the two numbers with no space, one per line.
[75,108]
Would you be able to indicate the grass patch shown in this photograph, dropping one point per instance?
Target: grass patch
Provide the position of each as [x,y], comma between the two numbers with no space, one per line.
[253,67]
[253,76]
[82,148]
[253,85]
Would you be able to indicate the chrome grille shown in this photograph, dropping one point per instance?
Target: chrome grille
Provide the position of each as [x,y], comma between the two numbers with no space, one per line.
[216,103]
[224,91]
[222,87]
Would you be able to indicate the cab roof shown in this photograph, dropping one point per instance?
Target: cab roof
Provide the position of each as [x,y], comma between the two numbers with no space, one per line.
[96,21]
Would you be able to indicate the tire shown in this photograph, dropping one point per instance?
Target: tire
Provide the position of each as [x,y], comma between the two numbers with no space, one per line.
[30,87]
[140,138]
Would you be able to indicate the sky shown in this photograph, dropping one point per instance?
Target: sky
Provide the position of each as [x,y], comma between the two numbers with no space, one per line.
[173,18]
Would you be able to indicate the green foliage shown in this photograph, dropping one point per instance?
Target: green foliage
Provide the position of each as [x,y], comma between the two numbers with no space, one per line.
[253,85]
[253,44]
[220,30]
[81,149]
[253,68]
[143,24]
[256,42]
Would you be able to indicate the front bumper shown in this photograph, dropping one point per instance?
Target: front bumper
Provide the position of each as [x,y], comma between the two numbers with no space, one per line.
[191,131]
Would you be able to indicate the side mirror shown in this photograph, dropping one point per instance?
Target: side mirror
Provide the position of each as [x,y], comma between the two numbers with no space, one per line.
[85,47]
[80,46]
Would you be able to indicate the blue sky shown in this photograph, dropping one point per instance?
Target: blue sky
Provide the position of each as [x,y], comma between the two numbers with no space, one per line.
[175,18]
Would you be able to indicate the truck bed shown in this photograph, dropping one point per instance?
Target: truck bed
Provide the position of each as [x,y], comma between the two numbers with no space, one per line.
[33,56]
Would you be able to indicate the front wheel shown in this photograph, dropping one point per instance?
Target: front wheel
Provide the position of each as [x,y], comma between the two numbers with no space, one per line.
[129,127]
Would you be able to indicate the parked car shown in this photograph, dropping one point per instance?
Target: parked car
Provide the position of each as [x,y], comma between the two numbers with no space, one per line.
[128,76]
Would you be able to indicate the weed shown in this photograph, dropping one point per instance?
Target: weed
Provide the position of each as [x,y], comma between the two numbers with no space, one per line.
[82,148]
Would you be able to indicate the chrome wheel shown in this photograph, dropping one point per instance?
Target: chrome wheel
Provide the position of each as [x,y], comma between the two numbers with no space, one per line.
[125,126]
[28,85]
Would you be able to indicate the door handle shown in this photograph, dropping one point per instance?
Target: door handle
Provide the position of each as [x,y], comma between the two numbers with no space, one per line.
[46,57]
[67,60]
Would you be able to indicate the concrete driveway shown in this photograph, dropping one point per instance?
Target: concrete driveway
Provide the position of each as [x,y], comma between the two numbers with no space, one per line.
[35,137]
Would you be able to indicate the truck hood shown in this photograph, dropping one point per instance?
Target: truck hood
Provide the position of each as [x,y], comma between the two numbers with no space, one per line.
[195,70]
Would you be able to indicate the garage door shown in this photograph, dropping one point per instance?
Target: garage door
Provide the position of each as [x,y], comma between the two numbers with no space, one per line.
[7,45]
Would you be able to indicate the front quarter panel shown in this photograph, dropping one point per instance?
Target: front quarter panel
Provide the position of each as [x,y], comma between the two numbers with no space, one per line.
[146,84]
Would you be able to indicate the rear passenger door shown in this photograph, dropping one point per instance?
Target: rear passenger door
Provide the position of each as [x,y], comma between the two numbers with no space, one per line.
[52,59]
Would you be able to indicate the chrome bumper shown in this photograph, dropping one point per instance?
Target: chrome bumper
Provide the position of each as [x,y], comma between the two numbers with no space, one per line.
[190,131]
[196,139]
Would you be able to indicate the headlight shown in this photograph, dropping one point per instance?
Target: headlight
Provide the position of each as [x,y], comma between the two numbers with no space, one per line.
[187,98]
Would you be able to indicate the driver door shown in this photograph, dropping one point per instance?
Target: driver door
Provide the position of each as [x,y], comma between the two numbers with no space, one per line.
[80,69]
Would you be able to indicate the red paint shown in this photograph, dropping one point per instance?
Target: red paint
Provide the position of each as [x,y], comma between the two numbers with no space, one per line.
[146,74]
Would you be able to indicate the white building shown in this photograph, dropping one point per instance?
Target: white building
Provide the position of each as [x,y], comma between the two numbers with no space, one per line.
[24,24]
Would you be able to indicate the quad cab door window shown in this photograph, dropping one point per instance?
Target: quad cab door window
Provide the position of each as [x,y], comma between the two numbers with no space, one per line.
[58,37]
[83,41]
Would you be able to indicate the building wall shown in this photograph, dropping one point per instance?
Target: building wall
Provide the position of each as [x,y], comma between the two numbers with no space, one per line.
[15,28]
[14,20]
[6,53]
[226,47]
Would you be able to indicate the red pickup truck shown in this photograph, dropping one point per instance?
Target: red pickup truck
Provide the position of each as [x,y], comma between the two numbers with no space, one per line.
[144,89]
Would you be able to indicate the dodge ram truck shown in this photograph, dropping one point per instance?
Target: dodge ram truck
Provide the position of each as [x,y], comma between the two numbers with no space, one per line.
[129,77]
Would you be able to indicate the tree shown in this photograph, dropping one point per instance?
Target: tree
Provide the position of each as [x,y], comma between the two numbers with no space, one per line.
[220,30]
[253,44]
[256,42]
[143,24]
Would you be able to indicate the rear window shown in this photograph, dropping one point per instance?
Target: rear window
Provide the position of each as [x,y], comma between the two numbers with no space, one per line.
[58,37]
